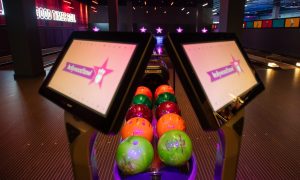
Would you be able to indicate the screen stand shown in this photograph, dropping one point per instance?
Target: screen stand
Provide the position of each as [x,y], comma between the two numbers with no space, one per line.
[228,147]
[81,138]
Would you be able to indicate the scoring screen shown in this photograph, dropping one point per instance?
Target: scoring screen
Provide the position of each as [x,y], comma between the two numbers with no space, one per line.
[90,72]
[222,71]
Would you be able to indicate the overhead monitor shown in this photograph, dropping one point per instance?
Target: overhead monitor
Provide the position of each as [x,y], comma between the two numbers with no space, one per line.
[96,75]
[215,73]
[292,22]
[278,23]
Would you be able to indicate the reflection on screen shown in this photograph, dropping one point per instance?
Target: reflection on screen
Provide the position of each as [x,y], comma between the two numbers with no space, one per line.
[222,71]
[91,71]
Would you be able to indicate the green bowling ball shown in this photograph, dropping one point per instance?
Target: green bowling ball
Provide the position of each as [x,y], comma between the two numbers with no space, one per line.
[174,148]
[134,155]
[164,97]
[142,99]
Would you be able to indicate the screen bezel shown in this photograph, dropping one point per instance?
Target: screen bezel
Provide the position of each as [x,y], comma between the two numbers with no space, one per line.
[112,120]
[192,85]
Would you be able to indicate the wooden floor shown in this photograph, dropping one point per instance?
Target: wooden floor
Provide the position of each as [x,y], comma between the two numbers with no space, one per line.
[33,141]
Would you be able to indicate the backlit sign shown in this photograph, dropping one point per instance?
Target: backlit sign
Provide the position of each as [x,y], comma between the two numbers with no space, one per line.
[54,15]
[1,8]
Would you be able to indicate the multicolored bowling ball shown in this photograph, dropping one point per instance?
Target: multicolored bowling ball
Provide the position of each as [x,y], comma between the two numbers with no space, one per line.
[134,155]
[166,108]
[174,148]
[144,90]
[142,99]
[139,110]
[170,122]
[137,127]
[163,89]
[165,97]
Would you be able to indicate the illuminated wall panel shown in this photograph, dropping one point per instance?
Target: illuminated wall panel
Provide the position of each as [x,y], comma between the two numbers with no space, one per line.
[257,24]
[292,22]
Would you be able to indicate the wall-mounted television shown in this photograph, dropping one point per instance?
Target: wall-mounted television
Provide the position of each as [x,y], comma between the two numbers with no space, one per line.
[257,24]
[249,24]
[267,23]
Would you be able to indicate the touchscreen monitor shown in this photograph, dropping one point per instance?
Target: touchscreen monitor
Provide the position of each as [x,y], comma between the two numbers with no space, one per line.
[216,75]
[93,78]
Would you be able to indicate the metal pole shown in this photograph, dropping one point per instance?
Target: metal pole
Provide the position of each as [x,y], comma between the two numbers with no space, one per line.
[228,148]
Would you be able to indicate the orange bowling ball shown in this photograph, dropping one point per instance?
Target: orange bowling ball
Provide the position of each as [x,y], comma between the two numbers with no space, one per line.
[137,127]
[163,89]
[145,91]
[169,122]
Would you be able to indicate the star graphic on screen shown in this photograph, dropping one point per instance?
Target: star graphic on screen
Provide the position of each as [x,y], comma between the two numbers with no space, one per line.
[99,73]
[179,29]
[143,29]
[236,65]
[159,30]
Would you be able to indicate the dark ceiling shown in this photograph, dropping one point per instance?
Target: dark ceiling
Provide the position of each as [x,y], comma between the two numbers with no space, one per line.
[157,3]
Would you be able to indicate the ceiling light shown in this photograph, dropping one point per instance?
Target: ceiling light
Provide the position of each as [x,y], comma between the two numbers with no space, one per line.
[204,30]
[143,29]
[271,64]
[179,29]
[188,12]
[67,2]
[159,30]
[214,13]
[95,2]
[155,8]
[96,29]
[145,2]
[182,9]
[205,4]
[133,8]
[93,7]
[298,64]
[147,12]
[172,3]
[165,12]
[214,10]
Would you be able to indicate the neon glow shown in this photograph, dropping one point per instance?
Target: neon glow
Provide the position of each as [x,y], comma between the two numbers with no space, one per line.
[53,15]
[179,30]
[1,8]
[96,29]
[143,29]
[159,30]
[204,30]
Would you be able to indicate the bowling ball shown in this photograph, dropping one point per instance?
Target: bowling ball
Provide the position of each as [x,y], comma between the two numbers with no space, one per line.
[163,89]
[170,122]
[144,90]
[165,97]
[142,99]
[137,127]
[174,148]
[166,108]
[139,110]
[134,155]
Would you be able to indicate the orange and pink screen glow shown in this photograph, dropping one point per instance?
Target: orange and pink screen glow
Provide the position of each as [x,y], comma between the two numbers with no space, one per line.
[90,72]
[222,71]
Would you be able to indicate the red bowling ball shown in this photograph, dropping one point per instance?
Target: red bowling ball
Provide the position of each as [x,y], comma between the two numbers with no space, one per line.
[139,110]
[166,108]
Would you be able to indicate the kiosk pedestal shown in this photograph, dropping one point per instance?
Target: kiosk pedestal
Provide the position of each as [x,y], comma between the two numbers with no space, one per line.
[81,138]
[228,148]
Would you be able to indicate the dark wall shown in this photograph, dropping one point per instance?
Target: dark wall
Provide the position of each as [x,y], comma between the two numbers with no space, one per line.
[4,42]
[279,41]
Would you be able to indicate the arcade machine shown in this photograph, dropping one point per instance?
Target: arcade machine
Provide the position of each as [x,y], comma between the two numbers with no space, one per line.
[98,75]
